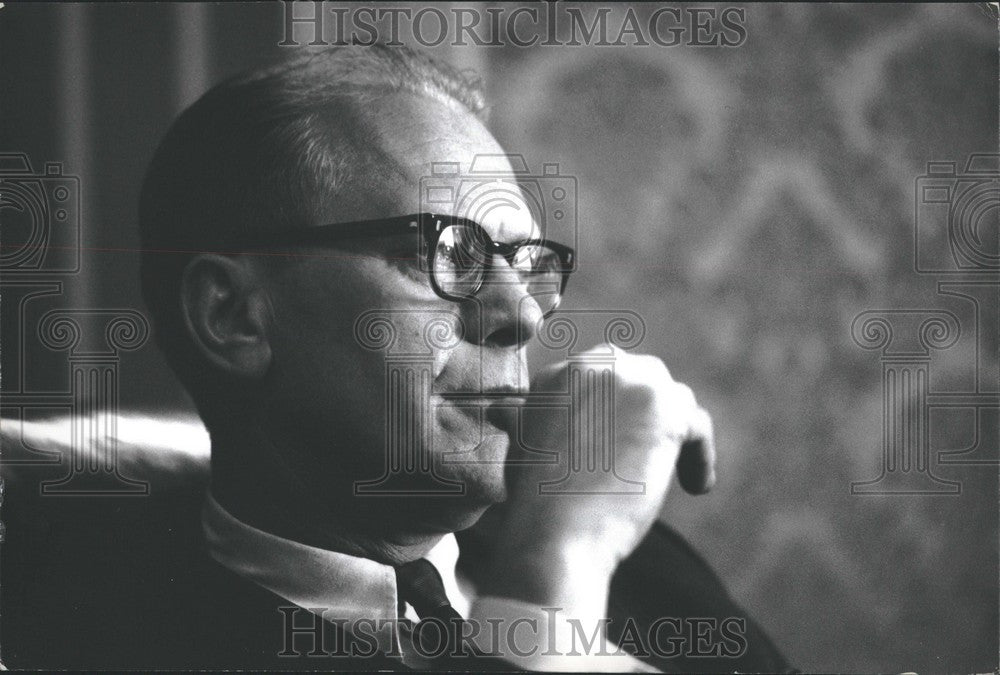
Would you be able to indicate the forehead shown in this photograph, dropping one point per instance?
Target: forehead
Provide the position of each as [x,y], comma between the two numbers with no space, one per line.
[442,159]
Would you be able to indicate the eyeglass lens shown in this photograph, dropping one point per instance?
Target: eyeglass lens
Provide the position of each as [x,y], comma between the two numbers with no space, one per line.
[461,259]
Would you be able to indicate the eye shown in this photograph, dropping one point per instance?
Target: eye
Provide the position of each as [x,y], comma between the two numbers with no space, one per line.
[525,258]
[408,263]
[458,266]
[401,253]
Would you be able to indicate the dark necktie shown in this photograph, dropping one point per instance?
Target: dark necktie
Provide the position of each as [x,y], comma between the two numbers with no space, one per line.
[419,584]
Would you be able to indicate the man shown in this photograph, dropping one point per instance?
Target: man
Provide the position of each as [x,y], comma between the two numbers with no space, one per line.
[281,210]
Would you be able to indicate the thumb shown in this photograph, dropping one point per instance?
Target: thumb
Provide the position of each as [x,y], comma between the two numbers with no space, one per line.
[696,461]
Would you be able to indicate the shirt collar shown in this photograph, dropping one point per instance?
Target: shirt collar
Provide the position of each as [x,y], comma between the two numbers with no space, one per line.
[343,586]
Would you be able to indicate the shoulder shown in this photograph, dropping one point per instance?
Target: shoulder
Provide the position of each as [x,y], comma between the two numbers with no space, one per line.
[667,596]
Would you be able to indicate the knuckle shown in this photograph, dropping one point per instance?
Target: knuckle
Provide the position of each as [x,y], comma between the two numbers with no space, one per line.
[703,422]
[643,367]
[683,392]
[655,365]
[638,392]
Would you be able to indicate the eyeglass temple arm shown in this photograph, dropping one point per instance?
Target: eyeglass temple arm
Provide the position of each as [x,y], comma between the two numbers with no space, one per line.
[335,232]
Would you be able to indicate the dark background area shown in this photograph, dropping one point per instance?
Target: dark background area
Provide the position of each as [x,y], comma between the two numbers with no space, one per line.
[748,203]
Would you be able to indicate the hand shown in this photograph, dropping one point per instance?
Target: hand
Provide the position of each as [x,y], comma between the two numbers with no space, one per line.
[550,545]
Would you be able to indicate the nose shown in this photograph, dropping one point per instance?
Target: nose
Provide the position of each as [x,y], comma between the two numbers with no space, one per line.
[503,313]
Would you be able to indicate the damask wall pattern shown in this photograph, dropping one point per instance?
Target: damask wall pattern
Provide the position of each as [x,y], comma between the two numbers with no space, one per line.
[749,203]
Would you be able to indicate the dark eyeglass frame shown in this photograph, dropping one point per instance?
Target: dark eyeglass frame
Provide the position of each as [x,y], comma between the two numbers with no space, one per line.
[429,226]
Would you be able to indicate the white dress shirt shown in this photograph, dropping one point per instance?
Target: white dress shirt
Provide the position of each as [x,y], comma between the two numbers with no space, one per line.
[351,588]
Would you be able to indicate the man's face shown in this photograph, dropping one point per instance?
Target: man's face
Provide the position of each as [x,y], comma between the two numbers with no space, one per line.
[347,412]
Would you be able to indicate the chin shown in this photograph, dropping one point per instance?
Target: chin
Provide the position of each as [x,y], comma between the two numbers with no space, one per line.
[480,470]
[477,466]
[464,519]
[444,515]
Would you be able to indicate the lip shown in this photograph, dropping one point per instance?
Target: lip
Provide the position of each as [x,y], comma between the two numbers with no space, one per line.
[499,408]
[486,399]
[499,394]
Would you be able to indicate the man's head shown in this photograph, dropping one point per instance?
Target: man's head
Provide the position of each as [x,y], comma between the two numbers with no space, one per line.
[266,342]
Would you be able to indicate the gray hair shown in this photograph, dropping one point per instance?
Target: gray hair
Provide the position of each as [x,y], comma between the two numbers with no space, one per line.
[256,153]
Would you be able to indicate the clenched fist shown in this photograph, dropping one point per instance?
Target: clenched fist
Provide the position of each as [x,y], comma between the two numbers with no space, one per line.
[584,488]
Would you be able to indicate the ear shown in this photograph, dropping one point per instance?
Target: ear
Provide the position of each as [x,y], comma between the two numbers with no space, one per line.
[225,308]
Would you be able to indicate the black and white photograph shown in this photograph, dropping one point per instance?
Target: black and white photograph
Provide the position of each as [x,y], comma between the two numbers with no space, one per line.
[500,336]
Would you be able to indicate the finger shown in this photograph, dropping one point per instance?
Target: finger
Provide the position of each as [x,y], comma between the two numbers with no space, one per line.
[696,461]
[683,395]
[550,378]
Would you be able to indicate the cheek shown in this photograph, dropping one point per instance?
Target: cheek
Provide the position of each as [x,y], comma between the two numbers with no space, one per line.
[318,361]
[338,326]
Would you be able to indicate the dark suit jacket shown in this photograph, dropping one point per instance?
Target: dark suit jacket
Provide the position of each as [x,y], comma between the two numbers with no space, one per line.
[124,583]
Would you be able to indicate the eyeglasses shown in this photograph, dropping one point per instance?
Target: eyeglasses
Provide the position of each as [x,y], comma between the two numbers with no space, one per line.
[456,252]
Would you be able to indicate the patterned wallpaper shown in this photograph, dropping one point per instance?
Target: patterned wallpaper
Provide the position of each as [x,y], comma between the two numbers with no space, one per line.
[748,203]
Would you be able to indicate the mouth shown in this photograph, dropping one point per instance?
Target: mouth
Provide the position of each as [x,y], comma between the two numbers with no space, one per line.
[486,400]
[499,406]
[499,395]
